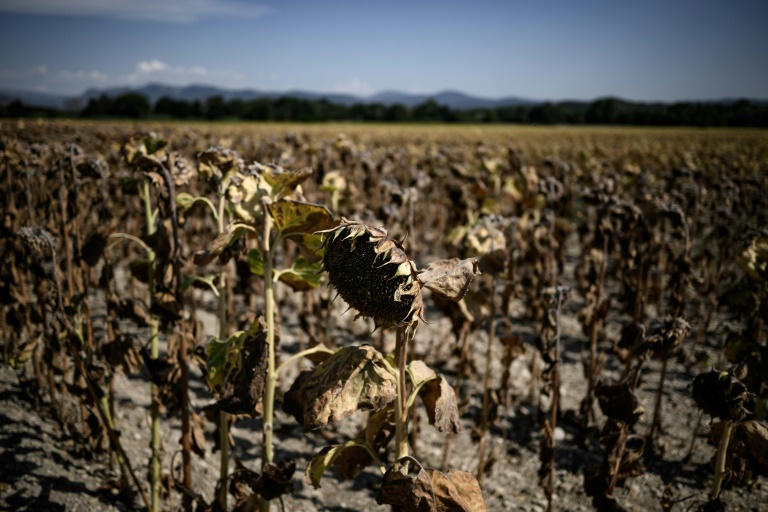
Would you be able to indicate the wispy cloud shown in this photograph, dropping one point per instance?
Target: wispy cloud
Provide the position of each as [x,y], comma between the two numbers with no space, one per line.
[159,71]
[150,70]
[354,86]
[174,11]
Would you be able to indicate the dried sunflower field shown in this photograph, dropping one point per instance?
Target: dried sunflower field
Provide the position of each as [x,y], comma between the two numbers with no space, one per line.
[368,317]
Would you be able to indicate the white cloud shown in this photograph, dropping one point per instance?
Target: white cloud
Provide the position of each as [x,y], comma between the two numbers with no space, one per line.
[148,66]
[158,71]
[174,11]
[149,70]
[354,86]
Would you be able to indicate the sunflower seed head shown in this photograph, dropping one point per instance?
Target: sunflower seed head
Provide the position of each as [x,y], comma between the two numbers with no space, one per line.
[372,274]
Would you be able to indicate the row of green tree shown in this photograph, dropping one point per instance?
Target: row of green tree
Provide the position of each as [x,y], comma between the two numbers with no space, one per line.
[612,111]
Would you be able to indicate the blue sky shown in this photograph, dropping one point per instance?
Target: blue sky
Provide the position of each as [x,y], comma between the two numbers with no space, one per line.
[640,50]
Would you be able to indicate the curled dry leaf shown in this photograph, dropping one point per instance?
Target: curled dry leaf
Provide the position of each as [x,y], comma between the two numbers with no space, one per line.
[224,240]
[440,401]
[430,490]
[619,401]
[449,279]
[352,379]
[274,482]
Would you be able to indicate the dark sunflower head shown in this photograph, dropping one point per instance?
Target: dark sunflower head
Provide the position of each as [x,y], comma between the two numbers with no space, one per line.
[372,274]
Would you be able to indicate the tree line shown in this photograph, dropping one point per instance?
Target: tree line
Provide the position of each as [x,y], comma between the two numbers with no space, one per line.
[611,111]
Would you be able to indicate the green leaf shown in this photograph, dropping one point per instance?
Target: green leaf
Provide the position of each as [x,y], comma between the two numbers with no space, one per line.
[302,275]
[217,357]
[24,353]
[152,144]
[323,460]
[199,281]
[185,201]
[255,262]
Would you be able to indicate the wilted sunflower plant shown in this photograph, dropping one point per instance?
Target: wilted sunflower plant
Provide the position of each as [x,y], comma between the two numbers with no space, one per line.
[267,202]
[373,274]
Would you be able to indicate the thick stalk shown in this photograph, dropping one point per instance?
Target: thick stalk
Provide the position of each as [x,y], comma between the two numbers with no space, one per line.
[223,416]
[722,450]
[555,402]
[487,383]
[154,354]
[269,391]
[186,436]
[656,422]
[401,417]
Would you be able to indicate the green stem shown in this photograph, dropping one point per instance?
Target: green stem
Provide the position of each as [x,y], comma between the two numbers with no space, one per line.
[304,353]
[154,354]
[269,391]
[401,418]
[104,400]
[722,450]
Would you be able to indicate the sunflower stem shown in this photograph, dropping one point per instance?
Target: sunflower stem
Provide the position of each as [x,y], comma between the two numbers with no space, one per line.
[722,450]
[401,417]
[269,390]
[154,354]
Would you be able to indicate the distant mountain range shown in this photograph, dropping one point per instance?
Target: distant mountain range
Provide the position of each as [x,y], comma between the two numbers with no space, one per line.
[452,99]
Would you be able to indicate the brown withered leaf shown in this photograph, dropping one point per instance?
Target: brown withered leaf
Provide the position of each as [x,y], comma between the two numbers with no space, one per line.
[430,490]
[93,248]
[274,482]
[440,401]
[224,240]
[352,379]
[198,435]
[242,390]
[449,279]
[377,434]
[619,401]
[420,373]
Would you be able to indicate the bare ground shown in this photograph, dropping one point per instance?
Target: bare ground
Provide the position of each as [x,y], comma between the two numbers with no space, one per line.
[43,468]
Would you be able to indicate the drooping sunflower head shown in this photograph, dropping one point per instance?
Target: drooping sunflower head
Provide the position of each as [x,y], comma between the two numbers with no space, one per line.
[373,274]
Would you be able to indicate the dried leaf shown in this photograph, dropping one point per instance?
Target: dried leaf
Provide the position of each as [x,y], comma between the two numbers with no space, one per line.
[619,401]
[430,490]
[284,182]
[449,279]
[274,482]
[420,373]
[198,434]
[224,240]
[352,379]
[294,218]
[440,401]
